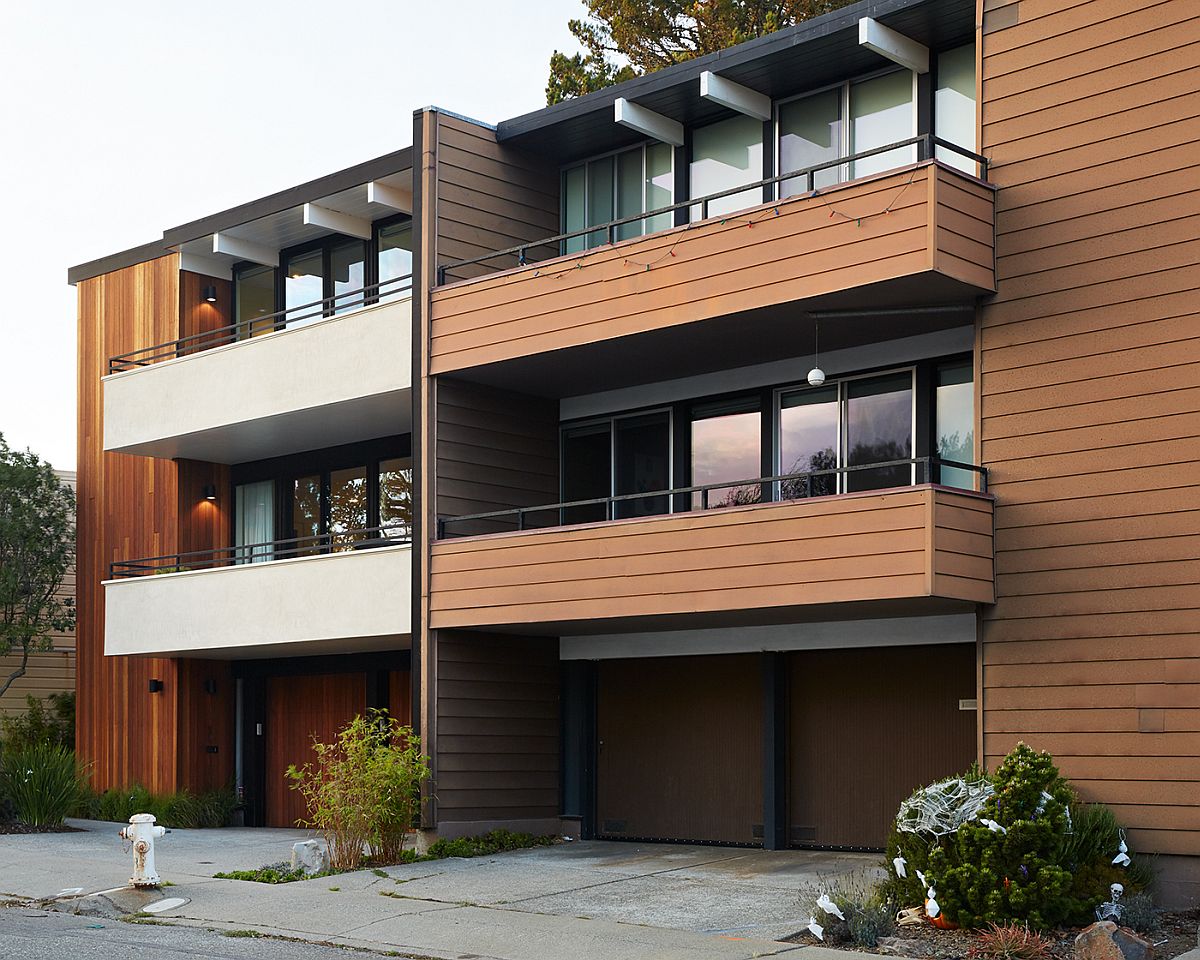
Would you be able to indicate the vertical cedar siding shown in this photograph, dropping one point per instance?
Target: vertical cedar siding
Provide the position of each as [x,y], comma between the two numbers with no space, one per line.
[1089,395]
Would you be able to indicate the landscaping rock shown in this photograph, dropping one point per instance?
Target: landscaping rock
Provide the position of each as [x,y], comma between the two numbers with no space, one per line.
[310,856]
[1104,940]
[899,947]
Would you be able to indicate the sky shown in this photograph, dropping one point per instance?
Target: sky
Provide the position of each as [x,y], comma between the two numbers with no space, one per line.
[122,119]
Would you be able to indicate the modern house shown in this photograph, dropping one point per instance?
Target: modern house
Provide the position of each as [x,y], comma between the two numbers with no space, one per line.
[715,457]
[48,671]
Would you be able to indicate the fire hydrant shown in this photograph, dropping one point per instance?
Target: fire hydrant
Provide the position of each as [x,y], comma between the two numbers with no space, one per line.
[142,832]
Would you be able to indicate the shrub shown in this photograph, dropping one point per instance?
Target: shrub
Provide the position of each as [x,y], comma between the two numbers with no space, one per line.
[1087,851]
[1012,873]
[498,841]
[1139,913]
[51,721]
[868,914]
[183,810]
[1009,941]
[363,790]
[42,783]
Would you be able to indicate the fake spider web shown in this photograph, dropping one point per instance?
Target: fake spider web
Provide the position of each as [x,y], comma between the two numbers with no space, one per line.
[943,807]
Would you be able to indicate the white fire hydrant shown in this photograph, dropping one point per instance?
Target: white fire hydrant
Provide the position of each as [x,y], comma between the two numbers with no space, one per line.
[142,832]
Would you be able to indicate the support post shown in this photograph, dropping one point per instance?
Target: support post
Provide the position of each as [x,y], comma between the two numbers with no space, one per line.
[775,728]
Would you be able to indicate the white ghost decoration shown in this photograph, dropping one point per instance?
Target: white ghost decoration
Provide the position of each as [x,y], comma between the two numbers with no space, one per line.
[994,826]
[899,863]
[815,928]
[829,906]
[1122,857]
[931,905]
[921,877]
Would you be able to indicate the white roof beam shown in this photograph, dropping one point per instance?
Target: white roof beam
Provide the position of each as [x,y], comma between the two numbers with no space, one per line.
[205,266]
[398,198]
[647,122]
[241,249]
[735,96]
[317,216]
[894,45]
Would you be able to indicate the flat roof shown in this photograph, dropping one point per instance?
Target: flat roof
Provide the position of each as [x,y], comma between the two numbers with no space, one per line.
[806,56]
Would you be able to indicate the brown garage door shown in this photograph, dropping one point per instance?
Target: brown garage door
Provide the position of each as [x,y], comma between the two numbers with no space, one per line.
[680,751]
[868,727]
[299,708]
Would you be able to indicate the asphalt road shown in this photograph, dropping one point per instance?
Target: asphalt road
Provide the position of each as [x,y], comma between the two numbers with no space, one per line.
[27,934]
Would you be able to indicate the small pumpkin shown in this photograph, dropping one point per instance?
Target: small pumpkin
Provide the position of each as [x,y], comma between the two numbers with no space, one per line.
[940,920]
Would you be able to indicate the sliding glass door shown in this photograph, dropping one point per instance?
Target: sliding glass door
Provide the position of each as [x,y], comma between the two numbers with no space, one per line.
[726,155]
[254,521]
[726,445]
[620,456]
[879,428]
[614,187]
[809,438]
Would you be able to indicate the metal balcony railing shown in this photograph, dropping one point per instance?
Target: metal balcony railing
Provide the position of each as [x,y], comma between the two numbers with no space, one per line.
[371,294]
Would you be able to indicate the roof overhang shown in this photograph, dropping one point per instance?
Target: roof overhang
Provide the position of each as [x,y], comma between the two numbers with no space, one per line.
[810,55]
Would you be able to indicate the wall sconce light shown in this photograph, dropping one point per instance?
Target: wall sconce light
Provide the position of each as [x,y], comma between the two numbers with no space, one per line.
[210,492]
[156,686]
[209,294]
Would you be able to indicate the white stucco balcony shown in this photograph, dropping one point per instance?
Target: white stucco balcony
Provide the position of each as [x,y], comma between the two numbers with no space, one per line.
[336,380]
[347,602]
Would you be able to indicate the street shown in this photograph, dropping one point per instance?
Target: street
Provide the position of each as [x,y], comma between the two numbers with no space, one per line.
[30,934]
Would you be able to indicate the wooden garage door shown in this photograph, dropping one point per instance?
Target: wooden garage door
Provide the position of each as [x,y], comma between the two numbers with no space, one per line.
[868,727]
[680,748]
[299,708]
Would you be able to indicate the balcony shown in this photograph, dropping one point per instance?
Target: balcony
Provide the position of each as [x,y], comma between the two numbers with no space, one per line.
[325,373]
[317,595]
[920,235]
[913,550]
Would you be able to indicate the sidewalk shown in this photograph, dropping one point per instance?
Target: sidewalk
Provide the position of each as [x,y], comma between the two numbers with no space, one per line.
[607,901]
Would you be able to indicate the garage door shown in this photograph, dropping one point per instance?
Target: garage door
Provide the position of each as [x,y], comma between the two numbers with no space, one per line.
[868,727]
[680,749]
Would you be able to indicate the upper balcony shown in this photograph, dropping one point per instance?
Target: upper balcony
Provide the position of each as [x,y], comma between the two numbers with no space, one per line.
[327,372]
[805,553]
[345,592]
[919,235]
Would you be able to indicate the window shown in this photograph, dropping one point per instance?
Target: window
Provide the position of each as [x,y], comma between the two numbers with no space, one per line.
[955,410]
[395,499]
[394,259]
[254,528]
[954,105]
[726,155]
[347,266]
[726,446]
[616,186]
[843,120]
[254,299]
[619,456]
[348,507]
[853,423]
[304,287]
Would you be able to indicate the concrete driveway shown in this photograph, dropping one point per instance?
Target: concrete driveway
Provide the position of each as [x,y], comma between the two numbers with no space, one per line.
[582,899]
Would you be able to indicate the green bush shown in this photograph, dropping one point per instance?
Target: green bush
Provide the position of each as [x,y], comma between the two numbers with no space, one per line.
[363,790]
[182,810]
[497,841]
[867,911]
[50,721]
[1140,913]
[42,783]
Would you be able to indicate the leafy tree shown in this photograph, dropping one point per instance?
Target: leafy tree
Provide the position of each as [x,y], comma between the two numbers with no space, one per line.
[623,39]
[37,545]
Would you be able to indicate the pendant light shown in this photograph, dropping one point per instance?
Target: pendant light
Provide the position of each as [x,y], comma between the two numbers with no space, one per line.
[816,376]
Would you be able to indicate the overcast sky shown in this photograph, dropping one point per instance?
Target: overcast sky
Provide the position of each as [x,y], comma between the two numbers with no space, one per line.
[124,118]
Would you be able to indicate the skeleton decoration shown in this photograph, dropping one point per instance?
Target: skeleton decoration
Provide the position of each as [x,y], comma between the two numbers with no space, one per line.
[1111,909]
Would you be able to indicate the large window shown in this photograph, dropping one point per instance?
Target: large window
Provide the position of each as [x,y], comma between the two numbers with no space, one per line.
[726,446]
[254,521]
[726,155]
[810,133]
[955,410]
[393,258]
[618,456]
[854,423]
[616,186]
[954,105]
[254,299]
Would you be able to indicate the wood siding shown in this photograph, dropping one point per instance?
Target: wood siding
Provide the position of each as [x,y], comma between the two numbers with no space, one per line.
[489,197]
[904,543]
[498,731]
[136,507]
[680,748]
[868,727]
[495,449]
[937,222]
[1089,359]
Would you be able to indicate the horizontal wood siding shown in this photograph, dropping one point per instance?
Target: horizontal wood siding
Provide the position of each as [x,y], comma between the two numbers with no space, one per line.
[1090,387]
[48,672]
[911,222]
[495,449]
[497,714]
[859,547]
[489,197]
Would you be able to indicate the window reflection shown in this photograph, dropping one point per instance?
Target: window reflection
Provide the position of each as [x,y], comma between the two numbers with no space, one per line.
[956,422]
[726,155]
[643,463]
[587,470]
[254,299]
[306,514]
[348,262]
[395,499]
[808,441]
[881,112]
[347,507]
[879,421]
[810,132]
[726,445]
[303,286]
[395,259]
